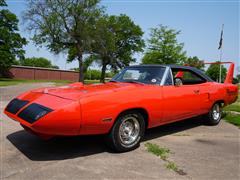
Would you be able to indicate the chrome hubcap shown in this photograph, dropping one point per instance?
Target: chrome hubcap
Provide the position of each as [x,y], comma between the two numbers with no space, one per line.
[129,130]
[216,112]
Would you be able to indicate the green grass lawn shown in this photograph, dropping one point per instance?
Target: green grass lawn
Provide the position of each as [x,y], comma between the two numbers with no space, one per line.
[10,82]
[233,107]
[233,118]
[91,81]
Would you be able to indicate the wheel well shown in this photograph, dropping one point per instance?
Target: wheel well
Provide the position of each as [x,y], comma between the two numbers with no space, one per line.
[221,102]
[142,111]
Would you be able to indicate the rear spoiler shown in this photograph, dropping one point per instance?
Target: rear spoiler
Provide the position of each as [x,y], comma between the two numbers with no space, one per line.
[229,77]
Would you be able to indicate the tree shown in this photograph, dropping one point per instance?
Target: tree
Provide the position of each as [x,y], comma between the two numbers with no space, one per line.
[93,74]
[163,47]
[3,3]
[64,26]
[38,62]
[213,72]
[194,62]
[235,80]
[88,60]
[11,42]
[117,39]
[238,78]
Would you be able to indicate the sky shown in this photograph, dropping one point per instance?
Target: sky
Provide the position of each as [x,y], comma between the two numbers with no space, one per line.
[200,22]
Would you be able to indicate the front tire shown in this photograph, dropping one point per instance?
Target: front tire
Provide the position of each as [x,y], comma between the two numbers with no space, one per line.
[215,114]
[126,132]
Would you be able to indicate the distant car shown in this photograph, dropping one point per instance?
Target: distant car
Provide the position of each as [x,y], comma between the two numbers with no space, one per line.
[139,97]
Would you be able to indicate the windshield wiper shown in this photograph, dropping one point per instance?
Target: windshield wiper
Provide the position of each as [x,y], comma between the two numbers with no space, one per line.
[113,81]
[132,81]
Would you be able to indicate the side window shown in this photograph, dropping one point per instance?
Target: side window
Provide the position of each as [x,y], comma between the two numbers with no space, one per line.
[192,78]
[188,77]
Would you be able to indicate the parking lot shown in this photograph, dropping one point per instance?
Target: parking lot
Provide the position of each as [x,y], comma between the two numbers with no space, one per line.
[202,152]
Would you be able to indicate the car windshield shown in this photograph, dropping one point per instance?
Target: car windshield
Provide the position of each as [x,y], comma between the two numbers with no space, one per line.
[140,74]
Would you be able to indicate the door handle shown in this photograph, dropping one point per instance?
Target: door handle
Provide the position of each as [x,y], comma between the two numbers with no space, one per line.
[196,91]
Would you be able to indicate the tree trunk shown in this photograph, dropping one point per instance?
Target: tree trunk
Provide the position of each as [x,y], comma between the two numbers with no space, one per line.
[103,73]
[81,74]
[80,63]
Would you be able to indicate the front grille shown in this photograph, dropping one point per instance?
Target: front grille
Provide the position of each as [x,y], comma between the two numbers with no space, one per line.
[33,112]
[15,105]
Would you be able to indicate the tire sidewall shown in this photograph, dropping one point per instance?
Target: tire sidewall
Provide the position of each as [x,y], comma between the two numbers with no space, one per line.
[213,121]
[118,146]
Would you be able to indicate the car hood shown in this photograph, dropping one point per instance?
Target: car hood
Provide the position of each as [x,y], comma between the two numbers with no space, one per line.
[78,90]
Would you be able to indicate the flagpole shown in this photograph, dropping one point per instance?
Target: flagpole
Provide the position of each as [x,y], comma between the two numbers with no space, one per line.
[220,71]
[220,57]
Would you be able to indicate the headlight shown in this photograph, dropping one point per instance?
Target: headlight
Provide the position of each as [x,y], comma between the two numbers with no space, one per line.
[33,112]
[15,105]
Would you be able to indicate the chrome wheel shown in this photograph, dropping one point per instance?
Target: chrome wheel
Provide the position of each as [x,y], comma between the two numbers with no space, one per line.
[129,131]
[216,112]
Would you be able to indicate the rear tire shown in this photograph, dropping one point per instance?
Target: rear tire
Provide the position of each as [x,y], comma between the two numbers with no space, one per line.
[126,132]
[215,114]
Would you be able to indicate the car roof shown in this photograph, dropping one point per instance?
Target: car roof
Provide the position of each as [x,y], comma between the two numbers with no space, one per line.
[173,66]
[164,65]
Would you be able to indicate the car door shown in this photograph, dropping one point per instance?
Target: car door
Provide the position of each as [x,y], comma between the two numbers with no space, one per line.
[180,102]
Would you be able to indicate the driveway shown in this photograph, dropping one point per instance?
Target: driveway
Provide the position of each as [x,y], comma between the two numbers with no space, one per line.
[202,152]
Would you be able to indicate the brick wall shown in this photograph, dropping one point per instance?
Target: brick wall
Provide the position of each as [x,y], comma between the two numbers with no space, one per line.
[25,72]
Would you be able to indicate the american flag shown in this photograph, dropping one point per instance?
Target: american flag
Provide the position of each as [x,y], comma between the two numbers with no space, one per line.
[221,40]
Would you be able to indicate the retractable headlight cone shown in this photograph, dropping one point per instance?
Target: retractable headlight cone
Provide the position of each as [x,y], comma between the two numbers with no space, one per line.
[34,112]
[15,105]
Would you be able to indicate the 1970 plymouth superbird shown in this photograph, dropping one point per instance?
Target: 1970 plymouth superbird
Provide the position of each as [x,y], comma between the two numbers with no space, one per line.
[139,97]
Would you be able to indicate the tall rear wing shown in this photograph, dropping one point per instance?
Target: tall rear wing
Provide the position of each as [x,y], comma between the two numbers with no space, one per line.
[229,77]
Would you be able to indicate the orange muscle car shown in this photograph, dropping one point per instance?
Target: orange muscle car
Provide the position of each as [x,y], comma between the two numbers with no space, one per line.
[139,97]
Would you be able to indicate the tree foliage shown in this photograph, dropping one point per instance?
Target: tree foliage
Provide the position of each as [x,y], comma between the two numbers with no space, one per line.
[117,38]
[163,47]
[3,3]
[37,62]
[194,62]
[238,78]
[64,26]
[94,74]
[87,62]
[214,70]
[11,42]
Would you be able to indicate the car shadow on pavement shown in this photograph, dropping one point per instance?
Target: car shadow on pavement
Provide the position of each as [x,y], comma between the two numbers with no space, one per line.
[173,128]
[60,148]
[57,148]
